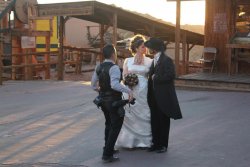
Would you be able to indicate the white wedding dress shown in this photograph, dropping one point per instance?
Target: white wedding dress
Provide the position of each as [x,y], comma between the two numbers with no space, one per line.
[136,129]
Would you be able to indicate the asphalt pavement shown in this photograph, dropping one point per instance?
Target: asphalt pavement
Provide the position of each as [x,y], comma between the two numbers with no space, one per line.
[55,124]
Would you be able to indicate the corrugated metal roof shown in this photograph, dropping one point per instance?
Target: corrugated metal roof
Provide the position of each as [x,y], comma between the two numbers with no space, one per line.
[127,20]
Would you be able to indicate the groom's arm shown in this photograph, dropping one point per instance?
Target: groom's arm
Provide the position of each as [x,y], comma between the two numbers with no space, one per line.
[168,74]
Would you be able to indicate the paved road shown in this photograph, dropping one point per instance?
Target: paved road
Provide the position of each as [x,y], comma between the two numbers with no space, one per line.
[49,123]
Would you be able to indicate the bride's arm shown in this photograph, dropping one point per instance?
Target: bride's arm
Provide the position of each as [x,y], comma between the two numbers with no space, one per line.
[125,68]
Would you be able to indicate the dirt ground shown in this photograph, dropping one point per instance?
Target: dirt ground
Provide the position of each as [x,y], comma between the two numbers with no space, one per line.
[86,76]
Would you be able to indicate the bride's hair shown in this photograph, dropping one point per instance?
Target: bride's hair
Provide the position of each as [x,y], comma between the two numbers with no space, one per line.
[136,41]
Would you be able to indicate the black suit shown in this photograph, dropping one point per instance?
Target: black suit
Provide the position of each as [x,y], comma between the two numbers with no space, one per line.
[162,99]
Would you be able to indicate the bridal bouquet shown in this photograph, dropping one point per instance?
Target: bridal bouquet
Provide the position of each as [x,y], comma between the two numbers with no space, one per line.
[131,80]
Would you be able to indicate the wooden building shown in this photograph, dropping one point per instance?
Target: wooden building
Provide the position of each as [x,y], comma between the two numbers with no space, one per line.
[227,28]
[111,16]
[105,15]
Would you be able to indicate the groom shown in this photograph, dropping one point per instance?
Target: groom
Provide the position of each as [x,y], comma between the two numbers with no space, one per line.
[162,99]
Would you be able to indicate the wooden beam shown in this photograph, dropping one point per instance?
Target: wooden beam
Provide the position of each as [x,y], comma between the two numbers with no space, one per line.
[30,33]
[105,30]
[66,9]
[28,65]
[184,53]
[40,18]
[47,57]
[4,24]
[16,48]
[191,47]
[177,37]
[27,69]
[60,66]
[1,69]
[102,31]
[77,67]
[30,53]
[1,52]
[238,46]
[81,49]
[80,62]
[187,67]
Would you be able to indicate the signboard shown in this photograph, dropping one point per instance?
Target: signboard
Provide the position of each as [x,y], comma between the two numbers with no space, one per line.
[28,42]
[220,23]
[43,25]
[65,9]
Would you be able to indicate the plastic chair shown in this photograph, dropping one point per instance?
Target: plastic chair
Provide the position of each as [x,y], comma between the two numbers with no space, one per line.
[209,57]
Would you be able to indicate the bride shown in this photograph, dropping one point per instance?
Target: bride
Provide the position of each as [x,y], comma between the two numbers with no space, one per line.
[136,130]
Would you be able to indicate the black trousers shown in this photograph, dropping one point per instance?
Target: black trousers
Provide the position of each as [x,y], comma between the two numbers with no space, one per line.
[160,125]
[113,124]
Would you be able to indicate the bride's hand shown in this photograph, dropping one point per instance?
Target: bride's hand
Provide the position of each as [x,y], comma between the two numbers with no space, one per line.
[125,75]
[130,96]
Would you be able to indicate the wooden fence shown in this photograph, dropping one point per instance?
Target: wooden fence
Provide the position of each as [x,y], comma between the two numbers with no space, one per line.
[31,66]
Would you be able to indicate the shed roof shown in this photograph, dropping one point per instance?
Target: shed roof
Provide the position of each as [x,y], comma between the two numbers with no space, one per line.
[102,13]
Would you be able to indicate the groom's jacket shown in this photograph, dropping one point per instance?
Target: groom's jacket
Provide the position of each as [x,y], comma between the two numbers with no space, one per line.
[161,89]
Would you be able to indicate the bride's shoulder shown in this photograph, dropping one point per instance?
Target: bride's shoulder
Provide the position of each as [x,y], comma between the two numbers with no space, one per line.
[129,59]
[148,60]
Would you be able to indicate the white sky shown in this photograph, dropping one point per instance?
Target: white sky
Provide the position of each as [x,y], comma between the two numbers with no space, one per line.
[191,12]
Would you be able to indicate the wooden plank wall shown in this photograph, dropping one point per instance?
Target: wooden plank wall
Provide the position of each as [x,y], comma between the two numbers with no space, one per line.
[219,27]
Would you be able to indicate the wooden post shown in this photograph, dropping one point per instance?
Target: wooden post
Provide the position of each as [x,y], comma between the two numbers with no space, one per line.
[230,53]
[76,58]
[188,53]
[184,53]
[60,66]
[16,48]
[1,66]
[187,67]
[1,52]
[4,23]
[102,41]
[115,29]
[27,61]
[47,57]
[80,62]
[177,36]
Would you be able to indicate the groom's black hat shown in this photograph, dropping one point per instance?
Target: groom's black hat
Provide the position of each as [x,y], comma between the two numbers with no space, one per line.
[155,44]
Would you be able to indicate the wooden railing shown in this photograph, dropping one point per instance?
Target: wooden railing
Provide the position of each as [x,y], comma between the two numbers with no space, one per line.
[30,62]
[29,69]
